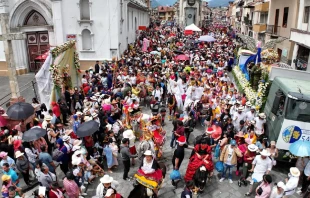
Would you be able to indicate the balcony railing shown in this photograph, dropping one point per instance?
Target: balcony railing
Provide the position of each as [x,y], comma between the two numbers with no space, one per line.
[272,29]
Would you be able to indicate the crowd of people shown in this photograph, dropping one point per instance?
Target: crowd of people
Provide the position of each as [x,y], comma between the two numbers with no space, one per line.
[174,73]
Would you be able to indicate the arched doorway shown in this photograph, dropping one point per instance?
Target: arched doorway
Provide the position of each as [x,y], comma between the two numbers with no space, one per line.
[37,41]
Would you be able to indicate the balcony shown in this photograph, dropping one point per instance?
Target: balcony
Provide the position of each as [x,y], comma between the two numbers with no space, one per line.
[273,30]
[247,21]
[263,7]
[300,37]
[259,27]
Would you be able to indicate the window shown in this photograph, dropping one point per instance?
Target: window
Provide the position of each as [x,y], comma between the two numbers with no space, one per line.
[86,40]
[263,17]
[285,17]
[84,10]
[303,53]
[306,14]
[298,110]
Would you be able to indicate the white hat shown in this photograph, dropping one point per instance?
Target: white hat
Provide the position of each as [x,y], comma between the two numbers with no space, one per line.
[18,154]
[265,153]
[78,152]
[240,109]
[259,132]
[76,161]
[248,103]
[48,118]
[281,185]
[94,114]
[109,126]
[79,113]
[109,192]
[106,179]
[128,134]
[253,107]
[252,147]
[148,152]
[87,118]
[262,115]
[97,94]
[65,138]
[295,172]
[203,168]
[93,98]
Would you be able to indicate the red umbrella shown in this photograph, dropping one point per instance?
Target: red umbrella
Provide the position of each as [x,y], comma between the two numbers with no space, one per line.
[182,57]
[3,121]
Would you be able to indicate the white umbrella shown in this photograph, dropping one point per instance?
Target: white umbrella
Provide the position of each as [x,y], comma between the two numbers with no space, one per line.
[193,27]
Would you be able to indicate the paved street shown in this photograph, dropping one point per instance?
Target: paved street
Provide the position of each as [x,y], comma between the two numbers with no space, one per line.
[213,189]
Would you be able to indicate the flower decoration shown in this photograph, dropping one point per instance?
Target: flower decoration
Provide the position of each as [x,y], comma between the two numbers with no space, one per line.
[60,49]
[56,76]
[256,98]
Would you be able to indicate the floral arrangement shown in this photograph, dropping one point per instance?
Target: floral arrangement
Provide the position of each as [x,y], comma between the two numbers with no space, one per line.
[270,55]
[56,76]
[60,49]
[77,62]
[256,98]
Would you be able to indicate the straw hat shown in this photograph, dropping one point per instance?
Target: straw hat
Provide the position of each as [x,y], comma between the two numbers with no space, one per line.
[6,177]
[262,115]
[94,115]
[18,154]
[265,153]
[93,98]
[65,138]
[252,147]
[248,103]
[295,172]
[109,192]
[148,152]
[48,118]
[281,185]
[79,113]
[106,179]
[240,109]
[253,107]
[97,94]
[87,118]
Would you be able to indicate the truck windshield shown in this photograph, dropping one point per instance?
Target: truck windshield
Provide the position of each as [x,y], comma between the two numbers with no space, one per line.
[298,110]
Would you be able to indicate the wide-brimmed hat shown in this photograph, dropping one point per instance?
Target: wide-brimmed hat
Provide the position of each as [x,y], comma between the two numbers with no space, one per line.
[248,103]
[240,108]
[93,98]
[253,122]
[48,118]
[106,179]
[240,134]
[148,152]
[209,130]
[265,153]
[6,177]
[87,118]
[18,154]
[128,134]
[3,154]
[280,184]
[253,107]
[79,113]
[295,172]
[97,94]
[181,140]
[94,114]
[65,138]
[77,142]
[252,147]
[262,115]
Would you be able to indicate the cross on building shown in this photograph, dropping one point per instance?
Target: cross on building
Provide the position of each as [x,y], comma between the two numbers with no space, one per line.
[7,39]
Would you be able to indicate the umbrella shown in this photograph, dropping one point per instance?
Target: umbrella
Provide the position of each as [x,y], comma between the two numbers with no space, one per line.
[178,52]
[155,52]
[182,57]
[300,148]
[20,111]
[193,27]
[206,38]
[33,134]
[87,128]
[3,121]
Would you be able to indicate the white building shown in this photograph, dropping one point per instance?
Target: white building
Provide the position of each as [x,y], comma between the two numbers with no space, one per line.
[103,28]
[300,37]
[189,12]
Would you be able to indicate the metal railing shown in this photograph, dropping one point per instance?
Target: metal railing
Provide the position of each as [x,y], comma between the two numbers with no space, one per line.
[27,91]
[272,29]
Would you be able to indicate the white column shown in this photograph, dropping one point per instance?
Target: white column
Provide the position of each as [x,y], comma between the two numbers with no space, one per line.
[300,14]
[57,20]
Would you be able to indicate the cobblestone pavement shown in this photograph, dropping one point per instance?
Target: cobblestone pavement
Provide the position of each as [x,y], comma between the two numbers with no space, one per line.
[213,189]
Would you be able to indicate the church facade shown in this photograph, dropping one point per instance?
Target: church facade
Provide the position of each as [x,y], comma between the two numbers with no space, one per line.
[102,28]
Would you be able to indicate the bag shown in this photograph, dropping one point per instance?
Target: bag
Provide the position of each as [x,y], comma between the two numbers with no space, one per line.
[274,162]
[57,153]
[219,166]
[217,151]
[175,175]
[259,191]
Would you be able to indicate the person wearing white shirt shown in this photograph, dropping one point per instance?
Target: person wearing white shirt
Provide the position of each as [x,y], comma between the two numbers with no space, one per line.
[291,182]
[261,165]
[250,115]
[260,121]
[238,116]
[133,79]
[278,190]
[157,93]
[84,80]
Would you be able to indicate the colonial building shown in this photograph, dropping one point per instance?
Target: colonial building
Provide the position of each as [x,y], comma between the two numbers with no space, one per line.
[300,36]
[102,29]
[166,13]
[190,12]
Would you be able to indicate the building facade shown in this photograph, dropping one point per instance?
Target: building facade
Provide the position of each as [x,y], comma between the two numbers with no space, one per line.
[102,29]
[166,13]
[300,37]
[190,12]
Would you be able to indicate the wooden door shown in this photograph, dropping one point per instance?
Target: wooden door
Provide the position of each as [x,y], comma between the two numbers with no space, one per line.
[37,43]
